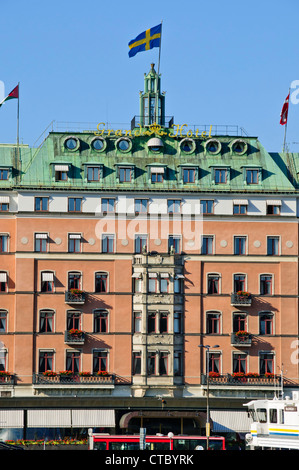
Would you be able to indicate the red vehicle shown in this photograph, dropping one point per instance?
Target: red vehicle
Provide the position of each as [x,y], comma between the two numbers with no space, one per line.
[124,442]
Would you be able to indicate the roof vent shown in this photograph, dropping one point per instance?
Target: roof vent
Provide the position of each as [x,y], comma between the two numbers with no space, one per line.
[155,144]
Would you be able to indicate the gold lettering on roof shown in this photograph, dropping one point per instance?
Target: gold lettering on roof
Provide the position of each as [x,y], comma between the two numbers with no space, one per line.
[176,130]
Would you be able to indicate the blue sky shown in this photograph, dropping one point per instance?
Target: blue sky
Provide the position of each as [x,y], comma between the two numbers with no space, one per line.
[222,62]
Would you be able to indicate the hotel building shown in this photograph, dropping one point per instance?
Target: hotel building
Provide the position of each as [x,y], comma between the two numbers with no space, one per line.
[137,264]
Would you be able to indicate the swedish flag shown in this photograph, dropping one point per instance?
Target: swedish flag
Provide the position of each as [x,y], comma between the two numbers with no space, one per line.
[146,40]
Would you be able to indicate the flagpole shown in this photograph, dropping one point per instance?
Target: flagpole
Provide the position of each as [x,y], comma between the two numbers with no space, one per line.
[157,92]
[285,129]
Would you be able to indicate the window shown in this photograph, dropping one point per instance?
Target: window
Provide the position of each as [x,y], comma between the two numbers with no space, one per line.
[266,363]
[3,321]
[252,176]
[151,363]
[4,206]
[73,361]
[239,282]
[125,175]
[213,364]
[74,243]
[178,322]
[189,175]
[137,284]
[73,320]
[61,175]
[141,205]
[3,359]
[261,415]
[207,206]
[266,284]
[3,282]
[239,322]
[4,174]
[177,363]
[93,173]
[137,322]
[47,282]
[46,321]
[108,205]
[3,243]
[136,363]
[46,361]
[163,322]
[100,361]
[157,175]
[220,175]
[164,283]
[178,286]
[174,206]
[108,244]
[207,245]
[101,282]
[163,363]
[74,204]
[272,246]
[213,284]
[74,280]
[239,363]
[100,324]
[240,245]
[174,243]
[152,322]
[41,204]
[41,242]
[213,323]
[266,323]
[273,209]
[240,209]
[140,243]
[152,283]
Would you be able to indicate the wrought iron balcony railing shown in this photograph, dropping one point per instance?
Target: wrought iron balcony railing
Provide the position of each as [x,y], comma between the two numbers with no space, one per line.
[6,378]
[241,379]
[72,297]
[241,300]
[61,379]
[74,337]
[241,340]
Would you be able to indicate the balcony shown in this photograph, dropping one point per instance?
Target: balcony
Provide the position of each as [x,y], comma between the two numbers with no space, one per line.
[241,338]
[75,337]
[249,379]
[75,296]
[241,299]
[6,378]
[53,378]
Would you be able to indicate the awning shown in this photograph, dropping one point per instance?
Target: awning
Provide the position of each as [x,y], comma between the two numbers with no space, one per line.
[47,276]
[164,275]
[157,169]
[70,418]
[230,421]
[11,419]
[152,274]
[75,235]
[61,167]
[41,235]
[4,199]
[240,201]
[179,276]
[3,277]
[167,415]
[136,275]
[273,203]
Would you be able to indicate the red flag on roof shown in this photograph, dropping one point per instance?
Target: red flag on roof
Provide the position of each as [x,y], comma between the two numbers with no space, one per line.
[13,94]
[284,111]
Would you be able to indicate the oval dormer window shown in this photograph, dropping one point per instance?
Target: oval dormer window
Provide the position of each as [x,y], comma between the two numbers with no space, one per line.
[187,145]
[71,143]
[155,144]
[239,147]
[98,144]
[213,146]
[124,145]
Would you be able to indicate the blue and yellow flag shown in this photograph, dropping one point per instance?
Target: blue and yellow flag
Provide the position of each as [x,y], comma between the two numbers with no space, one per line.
[146,40]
